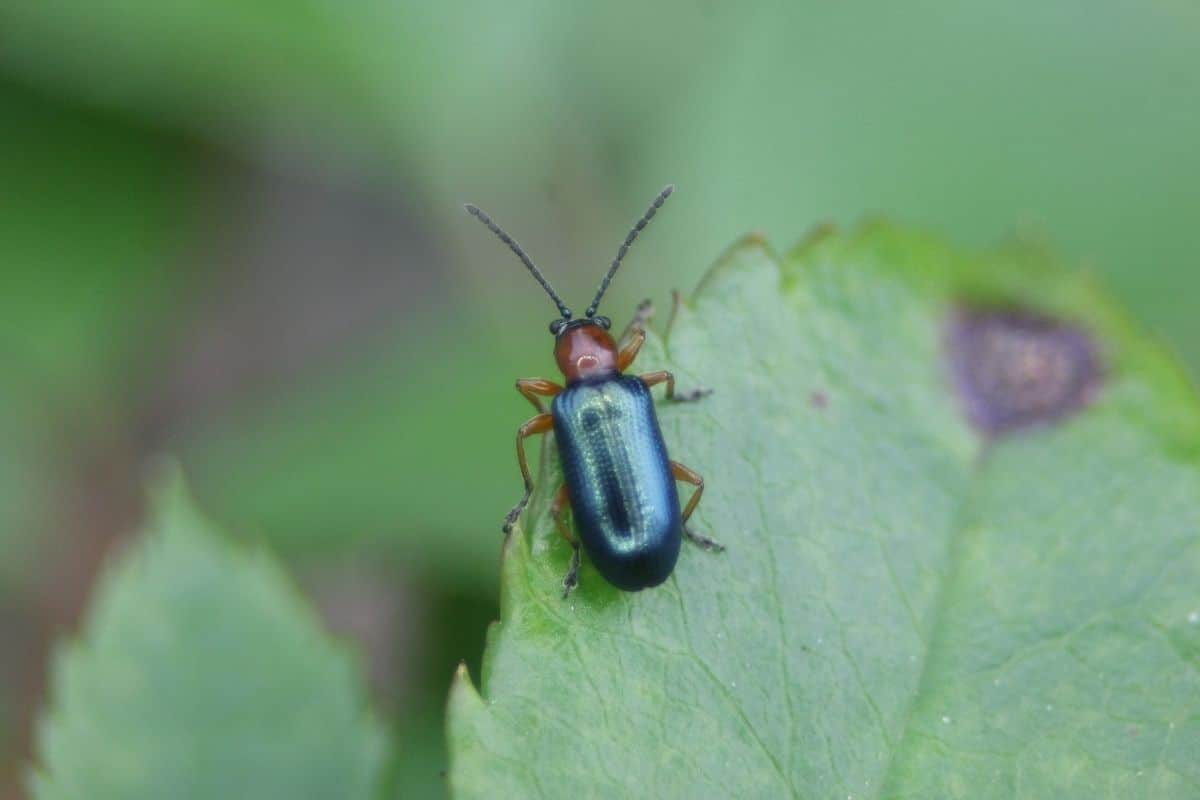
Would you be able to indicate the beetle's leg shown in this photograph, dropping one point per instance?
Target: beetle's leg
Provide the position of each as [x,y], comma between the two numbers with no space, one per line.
[571,580]
[561,501]
[539,424]
[635,335]
[531,388]
[557,510]
[629,352]
[643,314]
[687,475]
[655,378]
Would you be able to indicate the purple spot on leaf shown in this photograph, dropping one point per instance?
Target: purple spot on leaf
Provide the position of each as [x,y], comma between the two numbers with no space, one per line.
[1013,368]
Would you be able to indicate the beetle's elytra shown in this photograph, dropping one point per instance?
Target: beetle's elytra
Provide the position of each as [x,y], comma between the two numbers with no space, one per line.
[617,476]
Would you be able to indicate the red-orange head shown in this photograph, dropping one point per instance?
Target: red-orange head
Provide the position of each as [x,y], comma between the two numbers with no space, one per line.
[584,349]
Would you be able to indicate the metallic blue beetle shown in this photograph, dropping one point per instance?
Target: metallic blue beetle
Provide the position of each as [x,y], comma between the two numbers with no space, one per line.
[617,477]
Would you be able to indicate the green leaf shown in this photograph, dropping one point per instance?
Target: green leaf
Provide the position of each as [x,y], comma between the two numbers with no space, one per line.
[907,608]
[88,253]
[88,257]
[224,67]
[201,674]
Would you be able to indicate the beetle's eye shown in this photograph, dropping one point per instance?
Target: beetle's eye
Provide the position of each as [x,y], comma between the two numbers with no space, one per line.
[557,325]
[603,322]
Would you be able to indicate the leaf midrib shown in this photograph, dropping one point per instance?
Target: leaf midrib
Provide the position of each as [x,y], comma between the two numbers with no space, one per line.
[957,530]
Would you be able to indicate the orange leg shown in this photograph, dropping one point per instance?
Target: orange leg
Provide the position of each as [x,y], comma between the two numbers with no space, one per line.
[534,389]
[630,351]
[561,501]
[655,378]
[542,423]
[635,335]
[558,509]
[687,475]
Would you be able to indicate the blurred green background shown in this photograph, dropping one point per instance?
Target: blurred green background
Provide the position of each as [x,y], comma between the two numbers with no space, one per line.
[233,232]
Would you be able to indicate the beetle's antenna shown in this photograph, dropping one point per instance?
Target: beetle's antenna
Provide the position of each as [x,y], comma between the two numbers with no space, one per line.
[629,239]
[475,211]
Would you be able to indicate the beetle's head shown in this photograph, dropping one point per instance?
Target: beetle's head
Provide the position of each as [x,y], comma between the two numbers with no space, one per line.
[584,348]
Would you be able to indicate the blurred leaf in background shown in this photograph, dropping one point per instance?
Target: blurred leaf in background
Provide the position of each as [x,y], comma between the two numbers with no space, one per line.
[202,673]
[1073,119]
[91,221]
[22,481]
[93,218]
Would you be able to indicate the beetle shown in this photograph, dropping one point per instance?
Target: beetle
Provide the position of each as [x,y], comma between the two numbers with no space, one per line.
[617,477]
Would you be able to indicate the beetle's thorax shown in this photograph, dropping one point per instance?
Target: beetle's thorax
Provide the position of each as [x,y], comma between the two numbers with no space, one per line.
[584,349]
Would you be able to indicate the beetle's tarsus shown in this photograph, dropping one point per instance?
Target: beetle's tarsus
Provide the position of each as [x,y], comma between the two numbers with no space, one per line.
[515,514]
[572,577]
[691,396]
[711,545]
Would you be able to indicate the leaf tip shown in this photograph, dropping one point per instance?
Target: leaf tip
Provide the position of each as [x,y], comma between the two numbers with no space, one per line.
[463,694]
[465,712]
[180,603]
[168,496]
